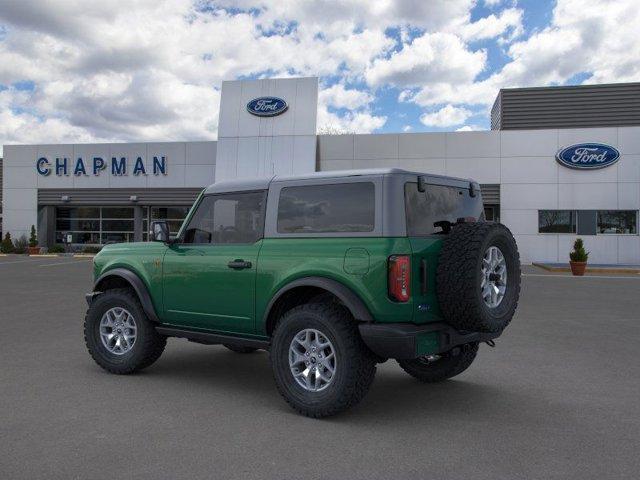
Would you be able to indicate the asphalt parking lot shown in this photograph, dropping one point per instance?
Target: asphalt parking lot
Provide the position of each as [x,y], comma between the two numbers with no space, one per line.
[559,397]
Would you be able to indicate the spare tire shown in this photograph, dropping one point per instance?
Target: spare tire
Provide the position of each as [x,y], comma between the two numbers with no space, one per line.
[478,277]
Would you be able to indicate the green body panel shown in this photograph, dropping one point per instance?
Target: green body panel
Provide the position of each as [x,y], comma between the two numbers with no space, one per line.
[200,290]
[193,286]
[285,260]
[142,258]
[425,304]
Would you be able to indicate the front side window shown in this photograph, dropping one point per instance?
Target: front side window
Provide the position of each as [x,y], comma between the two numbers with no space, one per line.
[618,221]
[556,221]
[337,208]
[227,219]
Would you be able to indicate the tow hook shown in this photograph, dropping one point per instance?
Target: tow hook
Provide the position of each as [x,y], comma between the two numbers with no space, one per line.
[491,343]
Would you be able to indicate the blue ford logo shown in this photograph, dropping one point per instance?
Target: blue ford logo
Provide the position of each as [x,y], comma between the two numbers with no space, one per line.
[588,156]
[267,106]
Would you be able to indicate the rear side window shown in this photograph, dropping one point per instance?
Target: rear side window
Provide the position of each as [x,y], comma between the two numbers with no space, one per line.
[425,210]
[344,207]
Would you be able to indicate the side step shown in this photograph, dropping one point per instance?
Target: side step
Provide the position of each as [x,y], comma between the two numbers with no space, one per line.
[213,338]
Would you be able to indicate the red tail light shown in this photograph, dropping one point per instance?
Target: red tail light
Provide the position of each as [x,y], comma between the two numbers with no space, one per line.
[399,278]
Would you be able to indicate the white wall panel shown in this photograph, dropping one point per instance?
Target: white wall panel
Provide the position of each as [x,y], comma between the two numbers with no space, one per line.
[482,170]
[473,144]
[529,170]
[629,140]
[629,249]
[529,143]
[422,145]
[629,196]
[602,249]
[571,136]
[20,156]
[229,116]
[537,248]
[629,168]
[200,153]
[19,177]
[304,153]
[335,147]
[435,166]
[529,196]
[368,147]
[520,221]
[587,196]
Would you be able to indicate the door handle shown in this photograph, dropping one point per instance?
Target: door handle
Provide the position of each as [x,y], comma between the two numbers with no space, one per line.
[238,264]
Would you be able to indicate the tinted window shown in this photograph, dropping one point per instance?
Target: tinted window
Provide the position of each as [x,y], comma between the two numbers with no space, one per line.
[229,218]
[556,221]
[429,211]
[617,221]
[345,207]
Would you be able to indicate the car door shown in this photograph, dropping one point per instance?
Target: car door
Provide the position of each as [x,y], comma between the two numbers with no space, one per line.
[209,273]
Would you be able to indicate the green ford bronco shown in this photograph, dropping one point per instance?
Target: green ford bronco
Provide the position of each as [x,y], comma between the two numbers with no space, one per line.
[330,272]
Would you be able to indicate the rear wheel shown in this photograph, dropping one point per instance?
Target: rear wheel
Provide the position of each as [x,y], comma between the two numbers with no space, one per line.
[436,368]
[320,364]
[239,349]
[119,335]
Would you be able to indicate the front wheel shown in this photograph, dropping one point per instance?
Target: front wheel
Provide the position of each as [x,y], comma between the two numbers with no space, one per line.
[320,364]
[436,368]
[118,334]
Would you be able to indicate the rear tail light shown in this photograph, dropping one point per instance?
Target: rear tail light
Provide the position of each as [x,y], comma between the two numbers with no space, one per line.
[399,278]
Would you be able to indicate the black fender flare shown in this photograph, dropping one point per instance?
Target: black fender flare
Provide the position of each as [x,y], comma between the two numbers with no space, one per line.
[352,301]
[137,284]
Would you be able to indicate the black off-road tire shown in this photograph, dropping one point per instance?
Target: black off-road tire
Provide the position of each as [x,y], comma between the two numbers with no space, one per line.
[459,275]
[239,348]
[355,364]
[450,364]
[148,346]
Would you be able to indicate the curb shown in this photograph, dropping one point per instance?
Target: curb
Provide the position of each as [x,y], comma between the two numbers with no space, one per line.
[589,269]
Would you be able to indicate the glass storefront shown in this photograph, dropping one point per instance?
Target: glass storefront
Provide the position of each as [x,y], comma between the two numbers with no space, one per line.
[94,225]
[174,216]
[104,225]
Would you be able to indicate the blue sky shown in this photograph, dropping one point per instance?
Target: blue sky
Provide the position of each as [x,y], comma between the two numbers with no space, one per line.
[77,71]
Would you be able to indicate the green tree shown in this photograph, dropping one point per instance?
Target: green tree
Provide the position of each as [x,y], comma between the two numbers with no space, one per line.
[33,238]
[579,254]
[7,244]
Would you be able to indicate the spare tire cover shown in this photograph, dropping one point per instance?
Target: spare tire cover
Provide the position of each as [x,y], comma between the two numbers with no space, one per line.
[478,277]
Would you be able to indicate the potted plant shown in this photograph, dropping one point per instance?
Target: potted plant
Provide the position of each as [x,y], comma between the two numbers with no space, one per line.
[33,249]
[578,258]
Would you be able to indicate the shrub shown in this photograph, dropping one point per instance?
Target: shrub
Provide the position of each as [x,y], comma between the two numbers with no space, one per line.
[20,245]
[57,248]
[578,254]
[91,249]
[7,245]
[33,238]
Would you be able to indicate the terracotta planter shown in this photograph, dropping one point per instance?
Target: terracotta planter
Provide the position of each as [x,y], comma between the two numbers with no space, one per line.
[578,268]
[33,250]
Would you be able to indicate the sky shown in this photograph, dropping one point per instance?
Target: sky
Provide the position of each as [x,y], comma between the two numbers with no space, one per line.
[77,71]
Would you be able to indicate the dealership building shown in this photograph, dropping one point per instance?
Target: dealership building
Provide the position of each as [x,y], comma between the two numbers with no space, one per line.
[559,162]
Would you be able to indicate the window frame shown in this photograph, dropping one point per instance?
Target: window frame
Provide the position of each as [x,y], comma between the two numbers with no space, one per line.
[273,202]
[181,234]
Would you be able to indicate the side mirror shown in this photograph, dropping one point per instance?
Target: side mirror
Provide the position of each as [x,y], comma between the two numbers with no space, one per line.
[160,231]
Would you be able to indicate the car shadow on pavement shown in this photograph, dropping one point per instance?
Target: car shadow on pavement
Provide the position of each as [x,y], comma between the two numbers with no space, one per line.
[394,396]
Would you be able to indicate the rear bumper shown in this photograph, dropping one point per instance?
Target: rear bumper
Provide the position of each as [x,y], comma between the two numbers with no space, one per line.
[406,340]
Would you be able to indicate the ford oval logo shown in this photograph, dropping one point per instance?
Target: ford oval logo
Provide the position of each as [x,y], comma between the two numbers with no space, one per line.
[588,156]
[267,106]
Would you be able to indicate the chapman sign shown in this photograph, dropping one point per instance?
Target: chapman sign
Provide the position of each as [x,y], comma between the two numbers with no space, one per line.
[118,166]
[588,156]
[267,106]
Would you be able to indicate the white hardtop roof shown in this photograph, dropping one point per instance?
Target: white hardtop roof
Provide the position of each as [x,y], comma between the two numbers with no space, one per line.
[262,183]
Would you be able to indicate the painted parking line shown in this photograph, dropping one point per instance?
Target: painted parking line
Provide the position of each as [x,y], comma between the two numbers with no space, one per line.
[21,261]
[585,276]
[63,263]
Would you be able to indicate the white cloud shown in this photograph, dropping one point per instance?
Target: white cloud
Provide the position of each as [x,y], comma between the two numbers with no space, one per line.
[509,22]
[340,97]
[469,128]
[447,116]
[407,128]
[432,57]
